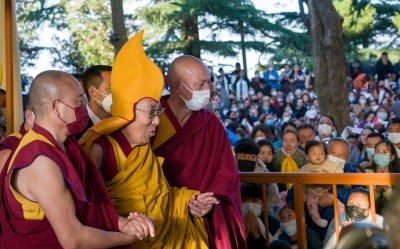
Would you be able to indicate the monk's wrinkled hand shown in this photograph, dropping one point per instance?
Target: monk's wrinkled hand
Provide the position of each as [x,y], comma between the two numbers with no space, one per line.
[200,205]
[138,226]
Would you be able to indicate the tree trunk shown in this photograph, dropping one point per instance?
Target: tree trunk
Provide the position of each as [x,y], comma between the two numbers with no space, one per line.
[329,64]
[119,36]
[243,46]
[191,37]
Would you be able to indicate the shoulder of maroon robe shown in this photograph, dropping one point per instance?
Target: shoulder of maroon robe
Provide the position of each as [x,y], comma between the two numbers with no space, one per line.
[200,157]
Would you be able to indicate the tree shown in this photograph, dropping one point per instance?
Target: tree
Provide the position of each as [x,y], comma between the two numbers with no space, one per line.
[175,27]
[119,36]
[329,63]
[32,17]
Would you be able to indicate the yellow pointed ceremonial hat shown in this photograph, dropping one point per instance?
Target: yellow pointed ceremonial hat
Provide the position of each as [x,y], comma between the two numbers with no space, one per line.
[133,77]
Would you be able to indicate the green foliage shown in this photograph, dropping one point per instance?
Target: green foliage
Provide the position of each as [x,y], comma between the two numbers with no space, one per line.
[32,16]
[396,21]
[196,27]
[165,25]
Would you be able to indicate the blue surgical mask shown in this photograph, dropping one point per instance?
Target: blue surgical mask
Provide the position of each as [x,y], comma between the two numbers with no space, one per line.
[382,160]
[270,122]
[370,151]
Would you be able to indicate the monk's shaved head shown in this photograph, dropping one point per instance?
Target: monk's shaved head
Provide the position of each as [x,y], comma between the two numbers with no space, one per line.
[182,69]
[49,85]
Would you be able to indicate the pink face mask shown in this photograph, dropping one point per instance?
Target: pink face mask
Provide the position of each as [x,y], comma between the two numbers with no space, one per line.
[81,120]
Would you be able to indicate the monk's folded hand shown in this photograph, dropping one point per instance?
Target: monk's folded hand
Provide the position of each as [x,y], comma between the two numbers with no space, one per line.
[200,205]
[138,226]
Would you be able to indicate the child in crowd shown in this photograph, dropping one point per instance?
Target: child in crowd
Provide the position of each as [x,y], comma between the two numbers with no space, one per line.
[251,195]
[288,230]
[316,154]
[246,151]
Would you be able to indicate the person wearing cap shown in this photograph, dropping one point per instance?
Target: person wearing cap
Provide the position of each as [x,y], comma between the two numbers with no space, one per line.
[120,148]
[197,151]
[52,195]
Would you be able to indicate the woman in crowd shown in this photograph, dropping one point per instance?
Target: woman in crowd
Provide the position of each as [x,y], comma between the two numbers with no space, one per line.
[288,229]
[266,154]
[358,152]
[290,158]
[385,160]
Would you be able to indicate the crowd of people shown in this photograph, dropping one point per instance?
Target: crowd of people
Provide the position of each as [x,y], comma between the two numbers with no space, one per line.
[152,170]
[275,118]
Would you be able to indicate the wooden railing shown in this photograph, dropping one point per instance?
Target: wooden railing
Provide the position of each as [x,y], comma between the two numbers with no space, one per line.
[299,181]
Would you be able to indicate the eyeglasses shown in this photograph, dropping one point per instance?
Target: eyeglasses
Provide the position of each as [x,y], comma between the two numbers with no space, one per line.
[153,112]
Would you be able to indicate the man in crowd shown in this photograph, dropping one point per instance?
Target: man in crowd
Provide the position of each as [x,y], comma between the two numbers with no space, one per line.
[306,133]
[97,85]
[357,211]
[11,142]
[120,148]
[197,151]
[52,195]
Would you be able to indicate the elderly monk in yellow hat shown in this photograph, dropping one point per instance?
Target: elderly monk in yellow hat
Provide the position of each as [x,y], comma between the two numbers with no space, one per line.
[119,146]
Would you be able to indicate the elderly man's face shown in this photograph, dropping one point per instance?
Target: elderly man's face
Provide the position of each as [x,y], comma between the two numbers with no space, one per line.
[147,117]
[339,150]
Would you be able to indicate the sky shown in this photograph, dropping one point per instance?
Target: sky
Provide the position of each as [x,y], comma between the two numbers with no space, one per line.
[44,60]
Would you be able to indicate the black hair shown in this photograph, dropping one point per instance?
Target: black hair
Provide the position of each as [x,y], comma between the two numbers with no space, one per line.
[264,129]
[313,143]
[92,77]
[265,142]
[394,121]
[250,190]
[290,206]
[394,166]
[246,146]
[286,124]
[306,126]
[326,115]
[375,134]
[279,244]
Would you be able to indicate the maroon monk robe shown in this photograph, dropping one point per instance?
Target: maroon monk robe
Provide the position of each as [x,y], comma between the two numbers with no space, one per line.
[200,157]
[93,206]
[109,168]
[11,142]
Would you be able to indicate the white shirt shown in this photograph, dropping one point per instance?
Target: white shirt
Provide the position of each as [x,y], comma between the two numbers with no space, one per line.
[92,116]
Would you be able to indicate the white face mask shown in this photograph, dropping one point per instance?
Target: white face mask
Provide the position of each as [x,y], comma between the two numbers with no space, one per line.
[252,92]
[336,160]
[374,108]
[286,119]
[382,115]
[394,137]
[199,99]
[107,102]
[334,133]
[256,139]
[324,129]
[290,228]
[250,206]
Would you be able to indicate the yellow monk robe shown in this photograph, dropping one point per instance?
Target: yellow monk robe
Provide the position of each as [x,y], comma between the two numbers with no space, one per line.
[140,186]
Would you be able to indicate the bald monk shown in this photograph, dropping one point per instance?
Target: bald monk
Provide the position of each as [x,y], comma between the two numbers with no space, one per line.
[52,195]
[133,174]
[197,151]
[10,143]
